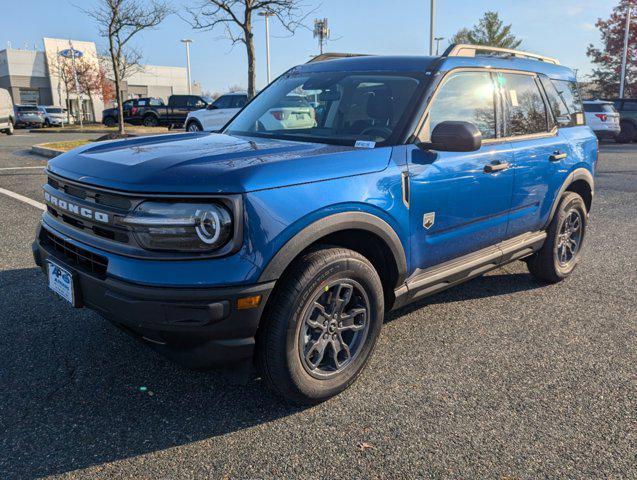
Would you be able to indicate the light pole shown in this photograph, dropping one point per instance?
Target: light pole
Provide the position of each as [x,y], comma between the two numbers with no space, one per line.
[431,27]
[267,16]
[438,39]
[187,42]
[622,77]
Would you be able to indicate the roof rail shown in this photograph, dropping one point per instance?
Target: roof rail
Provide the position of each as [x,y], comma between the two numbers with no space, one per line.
[465,50]
[332,56]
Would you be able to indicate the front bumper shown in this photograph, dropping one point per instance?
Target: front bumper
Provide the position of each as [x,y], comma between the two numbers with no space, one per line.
[197,327]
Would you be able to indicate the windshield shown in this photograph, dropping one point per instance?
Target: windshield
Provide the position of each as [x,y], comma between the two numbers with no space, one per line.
[330,107]
[27,109]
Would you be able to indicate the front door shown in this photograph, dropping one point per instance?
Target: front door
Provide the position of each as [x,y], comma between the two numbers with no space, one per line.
[460,201]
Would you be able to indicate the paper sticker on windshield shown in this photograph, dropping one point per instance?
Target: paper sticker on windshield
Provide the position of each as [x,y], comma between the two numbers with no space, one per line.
[364,144]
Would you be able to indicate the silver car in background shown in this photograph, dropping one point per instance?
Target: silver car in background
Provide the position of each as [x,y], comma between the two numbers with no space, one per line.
[28,115]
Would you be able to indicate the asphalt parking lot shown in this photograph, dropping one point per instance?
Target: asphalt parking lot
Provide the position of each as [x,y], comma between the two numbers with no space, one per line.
[498,378]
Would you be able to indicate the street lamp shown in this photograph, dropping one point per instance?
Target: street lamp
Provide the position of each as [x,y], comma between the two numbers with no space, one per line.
[267,14]
[438,39]
[622,76]
[187,42]
[432,17]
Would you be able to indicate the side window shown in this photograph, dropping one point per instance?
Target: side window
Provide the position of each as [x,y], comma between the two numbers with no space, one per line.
[223,102]
[239,101]
[156,102]
[630,106]
[526,112]
[558,107]
[465,96]
[141,103]
[178,101]
[570,95]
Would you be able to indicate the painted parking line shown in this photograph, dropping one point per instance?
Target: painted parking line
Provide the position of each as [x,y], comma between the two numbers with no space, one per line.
[42,167]
[22,198]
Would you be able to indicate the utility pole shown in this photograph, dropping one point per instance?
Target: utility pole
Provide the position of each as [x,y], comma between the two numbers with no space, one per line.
[187,42]
[438,39]
[622,77]
[267,14]
[431,27]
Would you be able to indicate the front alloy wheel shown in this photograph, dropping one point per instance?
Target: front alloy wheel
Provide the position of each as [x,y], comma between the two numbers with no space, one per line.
[335,326]
[321,324]
[194,127]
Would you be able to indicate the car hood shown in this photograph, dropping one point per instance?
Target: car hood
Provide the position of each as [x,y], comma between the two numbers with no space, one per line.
[212,163]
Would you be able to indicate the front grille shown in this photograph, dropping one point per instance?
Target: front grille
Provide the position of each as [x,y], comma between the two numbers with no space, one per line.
[92,194]
[74,255]
[94,198]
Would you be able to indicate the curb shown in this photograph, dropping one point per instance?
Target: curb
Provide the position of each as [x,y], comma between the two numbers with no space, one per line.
[45,152]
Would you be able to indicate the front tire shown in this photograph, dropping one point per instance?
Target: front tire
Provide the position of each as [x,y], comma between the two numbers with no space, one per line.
[110,122]
[9,131]
[561,251]
[194,126]
[321,325]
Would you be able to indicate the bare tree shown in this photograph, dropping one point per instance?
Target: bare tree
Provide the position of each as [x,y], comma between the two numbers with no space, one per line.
[119,21]
[235,18]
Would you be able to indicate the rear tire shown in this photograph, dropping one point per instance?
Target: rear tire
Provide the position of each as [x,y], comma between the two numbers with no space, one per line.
[561,251]
[9,131]
[150,121]
[627,134]
[321,325]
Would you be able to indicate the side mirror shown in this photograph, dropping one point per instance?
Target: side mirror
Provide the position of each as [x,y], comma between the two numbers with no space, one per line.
[211,107]
[455,136]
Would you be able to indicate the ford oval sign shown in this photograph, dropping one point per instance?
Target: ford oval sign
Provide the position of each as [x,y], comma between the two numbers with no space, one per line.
[71,53]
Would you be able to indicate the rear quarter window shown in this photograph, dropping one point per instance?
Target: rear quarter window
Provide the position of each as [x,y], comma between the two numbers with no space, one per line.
[569,94]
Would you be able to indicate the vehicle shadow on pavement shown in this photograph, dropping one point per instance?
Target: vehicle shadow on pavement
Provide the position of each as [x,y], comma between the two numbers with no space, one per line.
[78,392]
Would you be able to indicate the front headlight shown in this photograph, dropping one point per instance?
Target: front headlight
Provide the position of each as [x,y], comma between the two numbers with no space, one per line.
[184,227]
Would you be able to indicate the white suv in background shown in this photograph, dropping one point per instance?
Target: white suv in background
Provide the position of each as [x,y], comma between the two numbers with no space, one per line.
[217,114]
[53,116]
[602,117]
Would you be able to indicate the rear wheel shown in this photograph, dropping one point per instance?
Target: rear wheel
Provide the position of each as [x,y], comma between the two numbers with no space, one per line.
[561,251]
[322,325]
[627,134]
[9,131]
[150,121]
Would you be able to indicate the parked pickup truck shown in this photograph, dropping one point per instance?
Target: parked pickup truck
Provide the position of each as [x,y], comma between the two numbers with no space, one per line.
[174,113]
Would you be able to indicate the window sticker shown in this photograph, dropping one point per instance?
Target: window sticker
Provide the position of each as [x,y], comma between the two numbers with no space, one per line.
[364,144]
[514,98]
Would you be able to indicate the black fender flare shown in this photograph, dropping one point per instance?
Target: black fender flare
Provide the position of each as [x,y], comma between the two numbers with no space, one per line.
[577,174]
[332,224]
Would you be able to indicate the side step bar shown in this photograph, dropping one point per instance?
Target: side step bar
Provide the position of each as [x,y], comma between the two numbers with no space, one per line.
[432,280]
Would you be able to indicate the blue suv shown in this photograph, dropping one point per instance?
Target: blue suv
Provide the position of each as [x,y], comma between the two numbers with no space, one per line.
[282,241]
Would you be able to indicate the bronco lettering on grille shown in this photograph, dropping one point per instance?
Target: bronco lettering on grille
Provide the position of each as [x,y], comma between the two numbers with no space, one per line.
[76,209]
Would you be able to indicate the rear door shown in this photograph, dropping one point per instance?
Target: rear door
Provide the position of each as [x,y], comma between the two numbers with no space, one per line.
[459,203]
[541,154]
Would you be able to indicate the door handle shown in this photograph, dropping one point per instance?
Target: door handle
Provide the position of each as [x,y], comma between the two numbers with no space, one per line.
[557,156]
[496,167]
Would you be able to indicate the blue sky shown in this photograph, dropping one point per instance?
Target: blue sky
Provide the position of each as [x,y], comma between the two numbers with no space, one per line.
[558,28]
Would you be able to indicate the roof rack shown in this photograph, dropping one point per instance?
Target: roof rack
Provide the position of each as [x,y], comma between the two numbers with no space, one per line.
[465,50]
[332,56]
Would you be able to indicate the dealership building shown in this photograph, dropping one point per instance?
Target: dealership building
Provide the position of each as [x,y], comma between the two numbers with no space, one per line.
[32,78]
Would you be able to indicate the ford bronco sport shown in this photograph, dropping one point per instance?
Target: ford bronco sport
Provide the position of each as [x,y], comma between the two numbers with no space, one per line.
[284,247]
